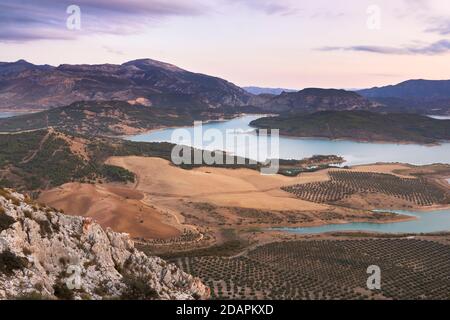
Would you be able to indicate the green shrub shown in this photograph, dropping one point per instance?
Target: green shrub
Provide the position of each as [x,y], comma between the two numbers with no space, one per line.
[5,183]
[102,289]
[31,296]
[117,174]
[45,228]
[26,251]
[61,291]
[137,288]
[15,201]
[5,220]
[28,214]
[9,262]
[4,193]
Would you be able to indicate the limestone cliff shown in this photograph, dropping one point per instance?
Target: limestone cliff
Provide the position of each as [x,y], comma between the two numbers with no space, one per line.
[46,254]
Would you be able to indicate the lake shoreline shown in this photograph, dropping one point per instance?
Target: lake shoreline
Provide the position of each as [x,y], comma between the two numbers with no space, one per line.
[162,128]
[381,141]
[298,148]
[418,217]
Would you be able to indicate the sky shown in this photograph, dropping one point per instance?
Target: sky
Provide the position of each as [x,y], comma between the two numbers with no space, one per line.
[270,43]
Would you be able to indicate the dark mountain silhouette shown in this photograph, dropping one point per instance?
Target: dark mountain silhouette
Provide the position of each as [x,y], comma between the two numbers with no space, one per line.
[313,99]
[27,86]
[424,96]
[262,90]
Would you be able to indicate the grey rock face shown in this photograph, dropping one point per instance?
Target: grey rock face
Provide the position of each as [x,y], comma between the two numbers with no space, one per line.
[48,254]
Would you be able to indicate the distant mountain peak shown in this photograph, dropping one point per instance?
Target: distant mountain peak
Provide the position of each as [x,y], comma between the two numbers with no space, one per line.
[19,66]
[418,95]
[415,88]
[146,62]
[263,90]
[327,92]
[21,61]
[18,62]
[317,99]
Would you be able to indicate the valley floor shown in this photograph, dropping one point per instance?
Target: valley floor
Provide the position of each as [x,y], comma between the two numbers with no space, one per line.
[329,268]
[174,209]
[214,223]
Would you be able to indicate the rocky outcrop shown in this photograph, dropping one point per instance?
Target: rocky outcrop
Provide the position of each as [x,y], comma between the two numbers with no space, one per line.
[46,254]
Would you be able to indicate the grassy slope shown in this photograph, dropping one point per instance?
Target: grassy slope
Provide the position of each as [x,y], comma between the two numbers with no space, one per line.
[360,125]
[118,117]
[47,158]
[41,159]
[97,118]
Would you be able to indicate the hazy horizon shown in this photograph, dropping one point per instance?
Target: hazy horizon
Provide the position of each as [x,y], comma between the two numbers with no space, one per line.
[276,44]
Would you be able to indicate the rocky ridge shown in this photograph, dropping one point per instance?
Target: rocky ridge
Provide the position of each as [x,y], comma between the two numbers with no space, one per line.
[45,254]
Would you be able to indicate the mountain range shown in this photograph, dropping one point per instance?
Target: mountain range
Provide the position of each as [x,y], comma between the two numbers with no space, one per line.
[263,90]
[313,100]
[411,89]
[432,96]
[27,86]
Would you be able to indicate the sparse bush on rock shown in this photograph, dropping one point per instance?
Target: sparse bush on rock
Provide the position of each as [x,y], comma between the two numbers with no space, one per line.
[5,220]
[9,262]
[48,249]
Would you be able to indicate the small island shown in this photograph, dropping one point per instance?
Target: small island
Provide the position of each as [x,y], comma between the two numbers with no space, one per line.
[360,126]
[293,168]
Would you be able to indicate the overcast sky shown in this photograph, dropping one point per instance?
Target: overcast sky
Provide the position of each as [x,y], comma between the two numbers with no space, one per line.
[277,43]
